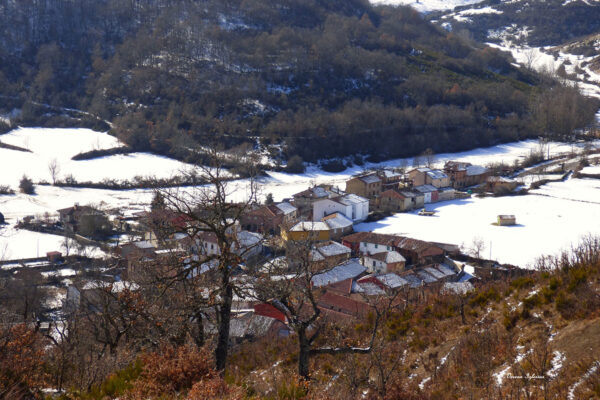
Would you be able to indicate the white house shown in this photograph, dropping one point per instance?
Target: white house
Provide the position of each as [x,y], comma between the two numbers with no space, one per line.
[384,262]
[353,207]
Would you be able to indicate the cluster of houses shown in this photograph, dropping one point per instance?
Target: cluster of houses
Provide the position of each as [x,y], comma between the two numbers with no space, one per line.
[391,191]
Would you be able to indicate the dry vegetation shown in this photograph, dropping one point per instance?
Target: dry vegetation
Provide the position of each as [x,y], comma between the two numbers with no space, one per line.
[544,326]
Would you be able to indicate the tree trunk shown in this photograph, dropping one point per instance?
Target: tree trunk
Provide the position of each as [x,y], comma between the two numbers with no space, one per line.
[224,319]
[199,339]
[304,355]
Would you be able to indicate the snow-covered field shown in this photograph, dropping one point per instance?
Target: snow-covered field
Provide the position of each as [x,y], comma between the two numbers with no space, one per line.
[426,6]
[61,145]
[552,219]
[571,211]
[18,244]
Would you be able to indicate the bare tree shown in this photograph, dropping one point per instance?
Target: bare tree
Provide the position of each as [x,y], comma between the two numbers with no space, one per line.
[298,300]
[476,248]
[54,169]
[531,57]
[210,211]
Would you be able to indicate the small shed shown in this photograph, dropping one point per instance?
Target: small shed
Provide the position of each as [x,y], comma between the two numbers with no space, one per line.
[507,220]
[54,256]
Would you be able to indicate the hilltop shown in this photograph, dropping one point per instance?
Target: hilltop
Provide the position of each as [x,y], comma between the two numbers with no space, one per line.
[318,79]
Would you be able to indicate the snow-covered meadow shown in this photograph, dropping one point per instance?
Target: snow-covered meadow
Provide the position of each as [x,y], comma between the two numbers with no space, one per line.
[552,219]
[557,215]
[60,145]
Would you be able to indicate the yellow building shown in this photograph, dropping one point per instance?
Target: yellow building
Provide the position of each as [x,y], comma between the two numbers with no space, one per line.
[307,230]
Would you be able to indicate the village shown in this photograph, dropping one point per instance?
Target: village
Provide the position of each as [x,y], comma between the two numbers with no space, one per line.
[347,267]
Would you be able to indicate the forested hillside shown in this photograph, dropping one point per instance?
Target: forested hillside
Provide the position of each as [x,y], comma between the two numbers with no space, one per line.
[324,78]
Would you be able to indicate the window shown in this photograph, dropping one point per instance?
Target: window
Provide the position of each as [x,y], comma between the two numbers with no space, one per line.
[376,246]
[373,263]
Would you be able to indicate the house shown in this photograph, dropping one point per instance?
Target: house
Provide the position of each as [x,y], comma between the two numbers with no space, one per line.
[506,220]
[290,213]
[92,295]
[368,186]
[394,200]
[384,262]
[72,218]
[350,269]
[328,254]
[352,206]
[304,200]
[428,176]
[248,326]
[463,174]
[341,304]
[264,219]
[390,179]
[417,252]
[339,225]
[500,184]
[447,193]
[307,230]
[429,192]
[54,256]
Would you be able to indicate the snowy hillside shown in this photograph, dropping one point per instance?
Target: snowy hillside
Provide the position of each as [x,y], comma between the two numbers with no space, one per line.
[427,5]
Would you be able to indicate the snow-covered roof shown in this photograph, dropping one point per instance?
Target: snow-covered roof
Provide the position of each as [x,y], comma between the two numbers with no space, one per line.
[392,280]
[331,248]
[337,222]
[434,272]
[351,198]
[116,287]
[410,194]
[370,288]
[446,270]
[391,174]
[305,226]
[427,278]
[457,287]
[287,208]
[436,174]
[370,178]
[426,188]
[348,270]
[476,170]
[145,244]
[413,280]
[248,239]
[388,257]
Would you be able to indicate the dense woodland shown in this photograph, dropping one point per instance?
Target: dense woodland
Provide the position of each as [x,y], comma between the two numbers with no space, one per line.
[324,78]
[549,22]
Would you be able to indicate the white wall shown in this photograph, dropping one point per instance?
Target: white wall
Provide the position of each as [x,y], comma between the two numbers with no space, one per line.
[325,207]
[372,248]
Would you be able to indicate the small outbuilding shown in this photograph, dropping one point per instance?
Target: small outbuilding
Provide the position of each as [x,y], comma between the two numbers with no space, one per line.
[507,220]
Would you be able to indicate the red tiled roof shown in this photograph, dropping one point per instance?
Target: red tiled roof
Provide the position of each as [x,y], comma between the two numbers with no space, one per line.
[343,304]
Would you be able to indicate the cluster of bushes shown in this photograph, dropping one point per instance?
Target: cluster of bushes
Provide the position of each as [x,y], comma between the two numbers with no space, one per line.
[138,182]
[5,189]
[92,154]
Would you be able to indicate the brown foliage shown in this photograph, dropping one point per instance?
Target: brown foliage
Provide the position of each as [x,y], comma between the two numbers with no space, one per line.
[176,370]
[21,362]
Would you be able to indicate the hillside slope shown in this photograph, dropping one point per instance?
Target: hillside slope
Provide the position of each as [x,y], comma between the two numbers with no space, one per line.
[320,78]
